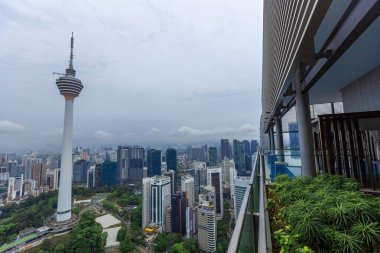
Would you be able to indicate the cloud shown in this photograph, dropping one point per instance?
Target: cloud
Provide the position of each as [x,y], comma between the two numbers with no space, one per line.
[103,134]
[7,126]
[52,131]
[155,130]
[218,132]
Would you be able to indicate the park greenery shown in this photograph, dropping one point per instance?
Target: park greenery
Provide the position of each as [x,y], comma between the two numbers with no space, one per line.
[164,241]
[129,239]
[323,214]
[86,237]
[223,227]
[32,212]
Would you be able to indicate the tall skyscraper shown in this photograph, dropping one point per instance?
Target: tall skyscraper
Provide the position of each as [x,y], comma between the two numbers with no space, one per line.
[11,167]
[178,215]
[130,162]
[91,177]
[213,156]
[69,87]
[154,162]
[239,156]
[135,164]
[109,173]
[187,186]
[171,174]
[225,150]
[171,159]
[199,172]
[227,165]
[214,178]
[254,146]
[80,171]
[122,163]
[247,147]
[98,175]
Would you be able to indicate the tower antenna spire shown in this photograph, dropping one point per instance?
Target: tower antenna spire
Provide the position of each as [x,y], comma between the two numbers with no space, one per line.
[70,70]
[71,53]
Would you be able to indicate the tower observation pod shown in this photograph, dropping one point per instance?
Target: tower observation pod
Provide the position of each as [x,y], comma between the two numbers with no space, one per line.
[70,87]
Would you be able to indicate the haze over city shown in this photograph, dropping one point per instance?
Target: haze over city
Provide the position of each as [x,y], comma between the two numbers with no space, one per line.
[168,72]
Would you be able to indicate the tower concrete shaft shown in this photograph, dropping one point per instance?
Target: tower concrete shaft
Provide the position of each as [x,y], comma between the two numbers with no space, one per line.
[65,182]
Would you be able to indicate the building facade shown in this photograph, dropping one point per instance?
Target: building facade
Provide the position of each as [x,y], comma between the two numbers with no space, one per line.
[156,200]
[187,186]
[153,162]
[214,178]
[171,159]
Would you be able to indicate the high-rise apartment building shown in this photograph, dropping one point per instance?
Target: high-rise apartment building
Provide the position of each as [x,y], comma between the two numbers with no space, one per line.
[214,178]
[206,227]
[154,162]
[39,174]
[156,200]
[28,162]
[171,159]
[187,186]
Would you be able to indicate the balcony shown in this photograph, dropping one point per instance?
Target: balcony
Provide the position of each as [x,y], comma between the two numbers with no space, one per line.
[340,199]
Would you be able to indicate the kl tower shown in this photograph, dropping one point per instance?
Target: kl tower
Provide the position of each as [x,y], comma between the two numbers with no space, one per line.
[69,87]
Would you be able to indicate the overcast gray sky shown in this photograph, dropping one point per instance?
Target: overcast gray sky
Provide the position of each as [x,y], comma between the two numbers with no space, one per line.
[157,71]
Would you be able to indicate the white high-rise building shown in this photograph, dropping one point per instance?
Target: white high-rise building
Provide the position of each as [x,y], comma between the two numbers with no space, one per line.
[156,200]
[214,178]
[240,186]
[187,185]
[206,226]
[69,87]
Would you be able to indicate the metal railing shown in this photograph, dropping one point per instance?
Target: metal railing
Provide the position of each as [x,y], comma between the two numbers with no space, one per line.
[251,233]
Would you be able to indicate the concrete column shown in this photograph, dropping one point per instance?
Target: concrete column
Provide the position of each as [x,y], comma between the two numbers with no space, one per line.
[271,139]
[279,139]
[304,128]
[65,181]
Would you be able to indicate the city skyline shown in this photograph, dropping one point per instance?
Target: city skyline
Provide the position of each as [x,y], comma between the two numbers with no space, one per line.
[188,95]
